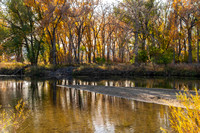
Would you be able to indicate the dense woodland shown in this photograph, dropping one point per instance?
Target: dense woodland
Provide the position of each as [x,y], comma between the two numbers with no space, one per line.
[90,31]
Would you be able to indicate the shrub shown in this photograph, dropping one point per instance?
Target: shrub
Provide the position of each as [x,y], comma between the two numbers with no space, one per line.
[160,56]
[187,119]
[142,56]
[132,61]
[100,60]
[13,119]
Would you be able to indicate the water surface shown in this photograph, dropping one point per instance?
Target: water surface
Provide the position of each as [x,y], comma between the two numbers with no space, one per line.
[55,109]
[147,82]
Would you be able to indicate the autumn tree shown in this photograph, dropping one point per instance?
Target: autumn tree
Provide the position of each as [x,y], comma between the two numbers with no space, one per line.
[21,20]
[187,14]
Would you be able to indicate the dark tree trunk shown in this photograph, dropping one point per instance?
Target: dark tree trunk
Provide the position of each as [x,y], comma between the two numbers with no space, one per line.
[179,49]
[185,48]
[113,52]
[19,56]
[143,43]
[70,49]
[89,56]
[174,56]
[190,45]
[79,44]
[108,52]
[198,41]
[54,48]
[136,47]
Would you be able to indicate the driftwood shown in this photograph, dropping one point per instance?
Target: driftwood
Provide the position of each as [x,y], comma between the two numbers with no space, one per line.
[21,69]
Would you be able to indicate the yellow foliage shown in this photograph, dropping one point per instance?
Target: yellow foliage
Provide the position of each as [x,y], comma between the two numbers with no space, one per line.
[13,119]
[187,119]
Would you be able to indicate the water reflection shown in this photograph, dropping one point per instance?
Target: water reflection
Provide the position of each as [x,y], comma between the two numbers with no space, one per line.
[169,83]
[55,109]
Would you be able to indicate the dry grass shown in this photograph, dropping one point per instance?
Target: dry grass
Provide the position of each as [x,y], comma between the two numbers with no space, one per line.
[11,65]
[184,66]
[123,67]
[184,70]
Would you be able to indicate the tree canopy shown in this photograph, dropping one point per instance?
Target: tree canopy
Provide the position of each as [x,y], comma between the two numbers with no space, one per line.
[90,31]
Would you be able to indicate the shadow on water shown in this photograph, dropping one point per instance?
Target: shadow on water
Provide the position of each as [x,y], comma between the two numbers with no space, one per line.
[55,109]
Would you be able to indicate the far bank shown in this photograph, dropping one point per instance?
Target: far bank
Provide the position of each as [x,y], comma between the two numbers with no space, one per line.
[106,70]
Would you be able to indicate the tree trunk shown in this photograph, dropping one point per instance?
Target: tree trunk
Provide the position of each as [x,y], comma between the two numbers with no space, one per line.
[54,47]
[113,51]
[79,44]
[179,49]
[190,45]
[89,55]
[136,47]
[174,56]
[185,49]
[82,53]
[94,51]
[143,43]
[198,40]
[108,52]
[70,48]
[19,56]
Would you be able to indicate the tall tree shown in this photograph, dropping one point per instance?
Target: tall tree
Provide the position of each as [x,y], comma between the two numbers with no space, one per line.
[21,21]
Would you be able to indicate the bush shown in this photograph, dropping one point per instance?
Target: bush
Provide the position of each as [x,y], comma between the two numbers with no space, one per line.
[187,119]
[100,60]
[10,119]
[142,56]
[160,56]
[132,61]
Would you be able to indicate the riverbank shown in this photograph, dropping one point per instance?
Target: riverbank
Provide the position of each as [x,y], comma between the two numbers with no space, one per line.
[127,70]
[148,95]
[95,70]
[40,71]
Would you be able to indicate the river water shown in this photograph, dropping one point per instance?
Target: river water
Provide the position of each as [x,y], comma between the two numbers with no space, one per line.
[54,109]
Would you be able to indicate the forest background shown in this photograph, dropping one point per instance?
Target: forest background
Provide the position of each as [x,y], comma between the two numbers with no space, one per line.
[63,32]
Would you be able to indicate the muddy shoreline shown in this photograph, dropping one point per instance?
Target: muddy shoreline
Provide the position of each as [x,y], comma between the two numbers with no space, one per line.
[149,95]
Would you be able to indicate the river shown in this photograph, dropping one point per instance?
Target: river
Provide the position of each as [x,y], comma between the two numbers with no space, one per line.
[54,109]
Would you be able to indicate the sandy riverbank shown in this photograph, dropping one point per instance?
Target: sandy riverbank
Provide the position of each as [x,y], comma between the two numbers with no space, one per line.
[150,95]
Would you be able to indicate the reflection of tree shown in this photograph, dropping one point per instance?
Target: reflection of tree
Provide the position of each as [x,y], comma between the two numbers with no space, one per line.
[34,88]
[79,111]
[169,83]
[104,109]
[52,85]
[70,80]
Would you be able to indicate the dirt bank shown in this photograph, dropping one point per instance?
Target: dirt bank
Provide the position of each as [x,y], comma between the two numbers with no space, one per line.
[150,95]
